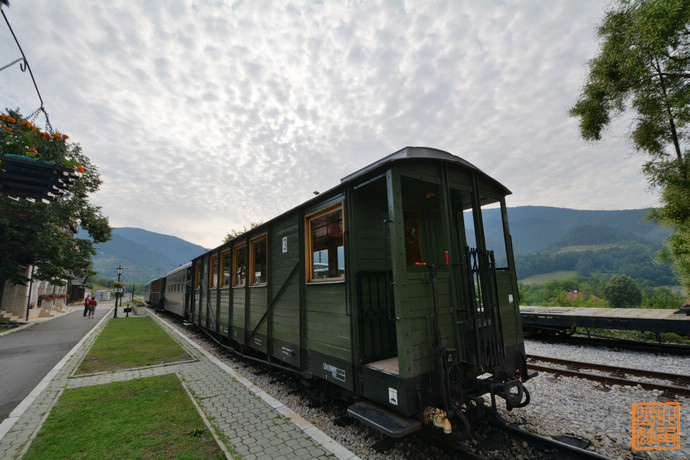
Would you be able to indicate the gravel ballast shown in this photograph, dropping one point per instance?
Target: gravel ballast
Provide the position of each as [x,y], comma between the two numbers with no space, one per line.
[559,406]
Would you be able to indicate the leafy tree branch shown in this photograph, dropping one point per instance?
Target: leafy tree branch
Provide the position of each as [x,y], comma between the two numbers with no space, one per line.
[643,67]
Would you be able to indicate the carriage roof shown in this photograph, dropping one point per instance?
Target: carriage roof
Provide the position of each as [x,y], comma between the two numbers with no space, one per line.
[423,153]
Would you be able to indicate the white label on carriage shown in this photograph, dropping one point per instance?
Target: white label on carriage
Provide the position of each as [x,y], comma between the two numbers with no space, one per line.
[510,298]
[257,342]
[393,396]
[336,373]
[284,244]
[288,351]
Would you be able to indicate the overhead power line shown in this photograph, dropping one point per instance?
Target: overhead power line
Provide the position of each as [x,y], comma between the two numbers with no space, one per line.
[24,65]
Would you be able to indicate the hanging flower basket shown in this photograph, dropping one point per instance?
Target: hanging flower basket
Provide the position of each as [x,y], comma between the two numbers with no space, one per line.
[118,285]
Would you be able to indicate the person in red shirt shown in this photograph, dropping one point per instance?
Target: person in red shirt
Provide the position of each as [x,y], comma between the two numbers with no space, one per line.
[92,307]
[87,304]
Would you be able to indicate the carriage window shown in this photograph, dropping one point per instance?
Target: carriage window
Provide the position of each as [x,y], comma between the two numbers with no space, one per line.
[492,218]
[197,275]
[257,261]
[325,245]
[239,274]
[213,268]
[413,241]
[470,234]
[226,264]
[422,220]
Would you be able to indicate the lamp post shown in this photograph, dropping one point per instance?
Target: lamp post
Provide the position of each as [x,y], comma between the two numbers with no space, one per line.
[117,294]
[31,283]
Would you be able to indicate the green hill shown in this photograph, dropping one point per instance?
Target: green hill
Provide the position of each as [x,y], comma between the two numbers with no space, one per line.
[143,255]
[537,228]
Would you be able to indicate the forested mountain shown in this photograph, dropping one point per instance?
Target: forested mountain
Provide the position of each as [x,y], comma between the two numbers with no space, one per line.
[537,228]
[545,240]
[143,255]
[599,243]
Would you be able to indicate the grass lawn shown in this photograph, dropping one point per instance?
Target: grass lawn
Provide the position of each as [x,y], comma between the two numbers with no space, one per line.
[126,343]
[150,418]
[546,277]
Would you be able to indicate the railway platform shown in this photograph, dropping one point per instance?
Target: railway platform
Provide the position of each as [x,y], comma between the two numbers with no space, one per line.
[255,425]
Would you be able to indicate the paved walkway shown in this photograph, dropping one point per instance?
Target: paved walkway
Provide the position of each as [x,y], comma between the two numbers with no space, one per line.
[29,352]
[255,425]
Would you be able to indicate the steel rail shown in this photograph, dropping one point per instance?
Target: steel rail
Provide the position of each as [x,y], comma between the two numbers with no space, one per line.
[616,371]
[459,449]
[606,379]
[547,443]
[581,338]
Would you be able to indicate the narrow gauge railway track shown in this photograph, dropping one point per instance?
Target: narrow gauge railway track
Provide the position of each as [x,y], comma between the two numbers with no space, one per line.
[428,436]
[565,450]
[500,434]
[616,375]
[581,338]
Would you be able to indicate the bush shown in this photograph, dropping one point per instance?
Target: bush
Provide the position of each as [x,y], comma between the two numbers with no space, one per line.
[622,291]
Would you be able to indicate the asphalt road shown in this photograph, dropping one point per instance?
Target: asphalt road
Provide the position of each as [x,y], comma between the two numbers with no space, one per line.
[26,356]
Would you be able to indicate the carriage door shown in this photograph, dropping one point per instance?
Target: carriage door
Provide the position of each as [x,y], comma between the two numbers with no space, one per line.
[478,313]
[425,240]
[372,259]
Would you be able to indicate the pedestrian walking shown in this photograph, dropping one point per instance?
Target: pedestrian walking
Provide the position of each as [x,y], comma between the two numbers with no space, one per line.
[92,307]
[87,304]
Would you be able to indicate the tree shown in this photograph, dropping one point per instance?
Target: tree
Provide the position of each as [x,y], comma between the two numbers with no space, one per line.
[234,233]
[41,234]
[644,67]
[622,291]
[662,297]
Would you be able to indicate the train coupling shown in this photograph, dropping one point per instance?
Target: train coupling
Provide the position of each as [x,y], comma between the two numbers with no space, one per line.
[514,393]
[438,418]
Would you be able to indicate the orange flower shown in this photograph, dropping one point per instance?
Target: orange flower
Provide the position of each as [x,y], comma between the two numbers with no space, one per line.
[9,130]
[65,136]
[80,168]
[57,135]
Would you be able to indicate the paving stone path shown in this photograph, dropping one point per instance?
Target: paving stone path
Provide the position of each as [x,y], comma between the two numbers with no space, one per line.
[254,425]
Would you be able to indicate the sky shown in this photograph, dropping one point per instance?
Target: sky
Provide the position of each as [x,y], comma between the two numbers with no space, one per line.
[205,116]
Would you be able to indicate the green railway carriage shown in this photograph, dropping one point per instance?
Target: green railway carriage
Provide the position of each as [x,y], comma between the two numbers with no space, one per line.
[396,285]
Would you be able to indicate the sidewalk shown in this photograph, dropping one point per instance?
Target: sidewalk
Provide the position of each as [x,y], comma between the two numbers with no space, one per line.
[34,319]
[254,424]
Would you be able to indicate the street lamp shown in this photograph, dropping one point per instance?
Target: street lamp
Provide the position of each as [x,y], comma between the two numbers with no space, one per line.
[119,273]
[31,283]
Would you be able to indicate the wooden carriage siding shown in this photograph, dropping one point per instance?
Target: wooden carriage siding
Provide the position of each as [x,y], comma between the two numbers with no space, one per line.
[382,309]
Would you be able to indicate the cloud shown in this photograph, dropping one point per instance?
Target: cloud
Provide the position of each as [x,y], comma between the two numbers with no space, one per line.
[205,116]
